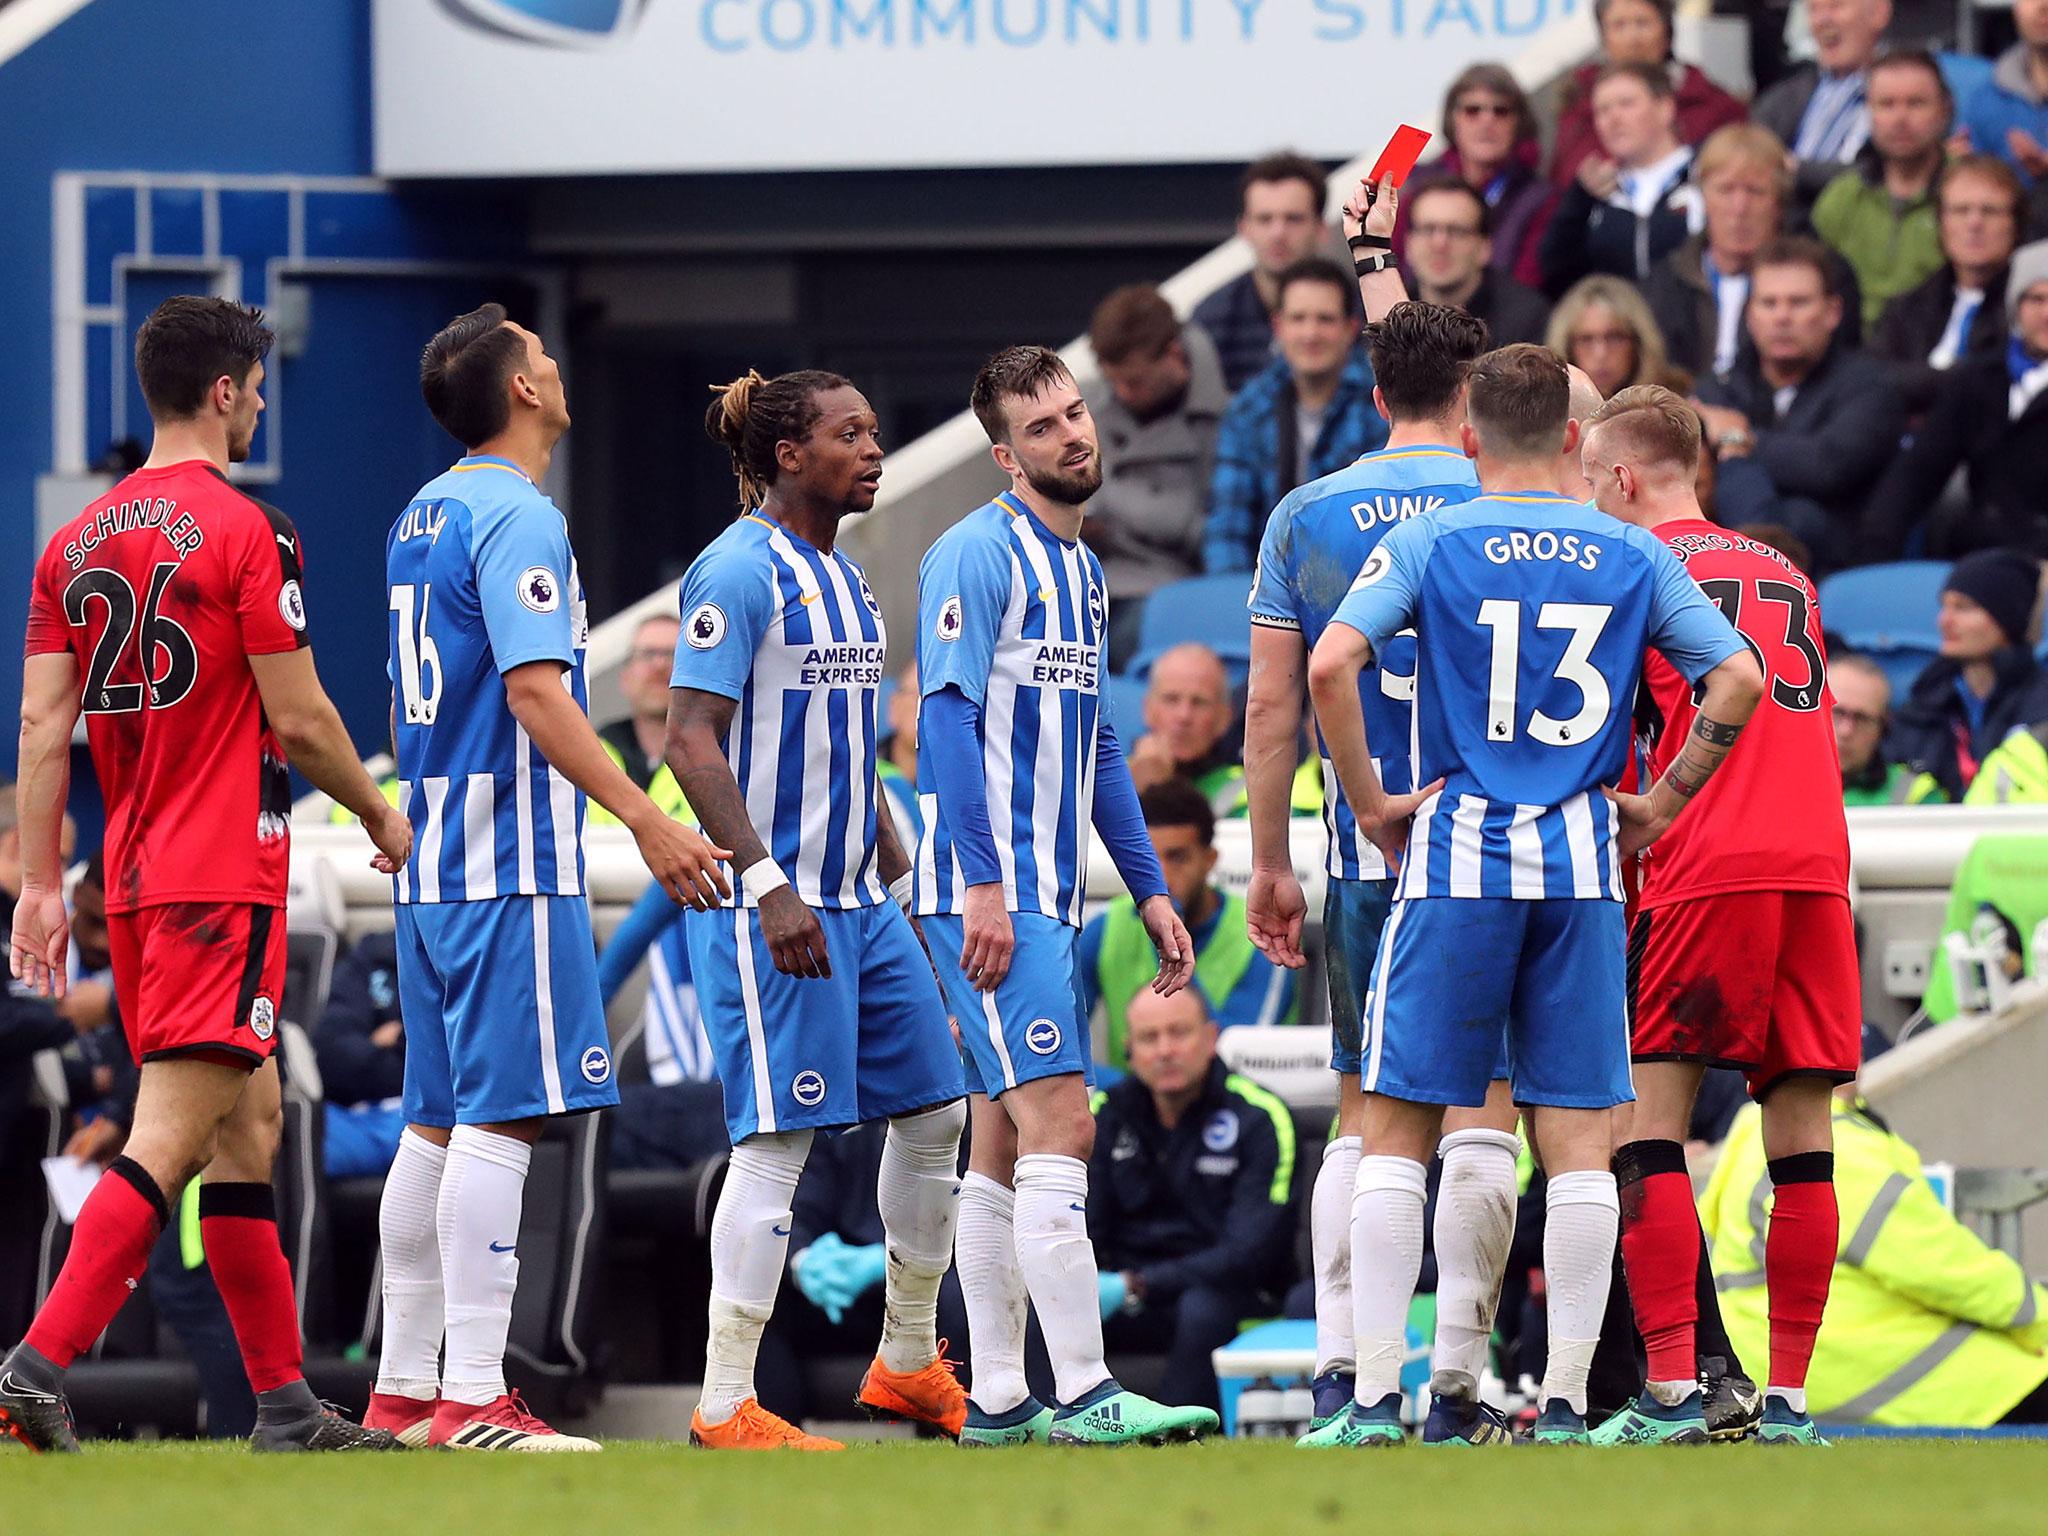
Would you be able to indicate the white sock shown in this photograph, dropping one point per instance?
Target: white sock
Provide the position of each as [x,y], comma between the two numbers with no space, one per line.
[1475,1224]
[1386,1263]
[410,1245]
[1792,1397]
[1329,1243]
[985,1251]
[919,1193]
[483,1186]
[1058,1261]
[1581,1216]
[747,1256]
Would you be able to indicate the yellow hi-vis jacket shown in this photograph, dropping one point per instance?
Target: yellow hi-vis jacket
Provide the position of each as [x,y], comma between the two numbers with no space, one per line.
[1925,1324]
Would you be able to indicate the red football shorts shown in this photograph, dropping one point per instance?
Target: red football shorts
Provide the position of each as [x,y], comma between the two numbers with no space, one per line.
[199,978]
[1763,981]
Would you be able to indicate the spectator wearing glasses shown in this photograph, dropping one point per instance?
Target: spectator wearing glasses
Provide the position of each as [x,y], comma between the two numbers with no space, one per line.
[1494,149]
[1449,262]
[1959,312]
[1863,713]
[1880,214]
[1604,327]
[1636,32]
[1821,110]
[1699,291]
[1634,203]
[1280,216]
[636,742]
[1990,417]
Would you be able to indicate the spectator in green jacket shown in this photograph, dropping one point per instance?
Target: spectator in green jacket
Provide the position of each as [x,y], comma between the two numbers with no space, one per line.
[1242,985]
[1880,214]
[1863,711]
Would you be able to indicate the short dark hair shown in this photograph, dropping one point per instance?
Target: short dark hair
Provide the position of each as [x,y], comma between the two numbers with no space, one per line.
[1916,58]
[1015,373]
[1317,269]
[463,373]
[1664,9]
[1784,541]
[1133,321]
[1450,186]
[1518,399]
[1654,78]
[1801,251]
[752,414]
[1176,802]
[1284,165]
[189,341]
[1420,356]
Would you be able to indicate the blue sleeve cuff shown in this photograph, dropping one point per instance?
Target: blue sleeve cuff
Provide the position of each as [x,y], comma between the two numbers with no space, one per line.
[951,740]
[631,940]
[1120,822]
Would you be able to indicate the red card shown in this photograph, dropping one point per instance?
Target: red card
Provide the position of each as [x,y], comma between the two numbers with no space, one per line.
[1399,157]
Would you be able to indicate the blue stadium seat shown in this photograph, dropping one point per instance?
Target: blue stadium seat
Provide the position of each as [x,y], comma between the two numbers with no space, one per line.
[1210,609]
[1124,697]
[1888,612]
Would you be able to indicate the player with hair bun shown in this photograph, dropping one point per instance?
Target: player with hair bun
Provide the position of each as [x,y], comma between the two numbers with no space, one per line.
[816,992]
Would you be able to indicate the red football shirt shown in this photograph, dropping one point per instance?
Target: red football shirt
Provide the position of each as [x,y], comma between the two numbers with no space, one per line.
[163,588]
[1771,818]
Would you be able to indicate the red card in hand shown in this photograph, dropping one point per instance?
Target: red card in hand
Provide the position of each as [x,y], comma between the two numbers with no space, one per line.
[1399,157]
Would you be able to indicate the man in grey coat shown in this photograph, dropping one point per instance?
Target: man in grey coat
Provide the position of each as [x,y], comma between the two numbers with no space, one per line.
[1156,407]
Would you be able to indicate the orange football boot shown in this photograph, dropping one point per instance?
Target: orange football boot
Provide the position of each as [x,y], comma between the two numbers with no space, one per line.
[754,1428]
[931,1396]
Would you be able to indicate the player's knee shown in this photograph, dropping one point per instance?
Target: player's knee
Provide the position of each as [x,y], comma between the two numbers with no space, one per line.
[931,1132]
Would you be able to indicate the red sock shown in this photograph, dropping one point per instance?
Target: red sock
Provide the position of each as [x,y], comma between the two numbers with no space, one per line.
[238,1223]
[1660,1251]
[1799,1259]
[109,1247]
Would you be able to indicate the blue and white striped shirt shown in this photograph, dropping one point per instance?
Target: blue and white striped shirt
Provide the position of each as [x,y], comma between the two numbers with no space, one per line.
[1316,540]
[1012,615]
[481,580]
[1532,614]
[795,636]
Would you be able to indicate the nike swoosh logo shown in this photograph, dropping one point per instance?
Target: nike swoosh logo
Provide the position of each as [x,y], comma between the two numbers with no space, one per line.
[1046,594]
[811,597]
[12,1385]
[1081,1208]
[780,1231]
[503,1247]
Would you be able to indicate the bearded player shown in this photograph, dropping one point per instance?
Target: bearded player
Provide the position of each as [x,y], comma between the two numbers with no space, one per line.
[1743,950]
[170,614]
[1018,761]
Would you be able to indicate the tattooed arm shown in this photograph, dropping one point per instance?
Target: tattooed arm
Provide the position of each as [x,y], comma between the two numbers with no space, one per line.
[1732,691]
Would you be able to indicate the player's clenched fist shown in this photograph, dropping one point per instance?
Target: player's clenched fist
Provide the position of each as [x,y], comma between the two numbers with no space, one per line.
[990,937]
[1169,937]
[392,833]
[794,935]
[683,861]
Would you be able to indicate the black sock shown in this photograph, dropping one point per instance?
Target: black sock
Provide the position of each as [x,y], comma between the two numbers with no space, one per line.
[34,1368]
[293,1400]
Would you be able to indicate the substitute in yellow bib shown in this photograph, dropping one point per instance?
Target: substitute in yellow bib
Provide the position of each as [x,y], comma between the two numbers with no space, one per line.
[1925,1324]
[635,742]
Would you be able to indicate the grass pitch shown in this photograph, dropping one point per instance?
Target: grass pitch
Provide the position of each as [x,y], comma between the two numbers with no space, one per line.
[1870,1488]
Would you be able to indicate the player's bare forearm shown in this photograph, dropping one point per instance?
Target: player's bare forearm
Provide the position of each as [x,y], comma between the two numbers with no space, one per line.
[697,724]
[1333,688]
[309,728]
[49,711]
[549,714]
[891,862]
[1272,727]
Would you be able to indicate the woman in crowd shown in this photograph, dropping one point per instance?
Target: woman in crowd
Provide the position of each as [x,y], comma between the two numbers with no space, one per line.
[1636,32]
[1604,327]
[1699,291]
[1494,149]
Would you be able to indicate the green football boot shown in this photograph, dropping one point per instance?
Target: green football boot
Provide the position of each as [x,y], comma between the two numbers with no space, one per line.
[1559,1424]
[1782,1426]
[1649,1422]
[1111,1416]
[1026,1424]
[1379,1425]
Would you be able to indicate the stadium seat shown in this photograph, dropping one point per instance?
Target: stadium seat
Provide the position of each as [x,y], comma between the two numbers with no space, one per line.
[1879,608]
[1205,608]
[310,951]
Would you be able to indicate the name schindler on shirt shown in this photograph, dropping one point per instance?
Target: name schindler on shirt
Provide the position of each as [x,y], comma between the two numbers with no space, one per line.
[1066,664]
[855,665]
